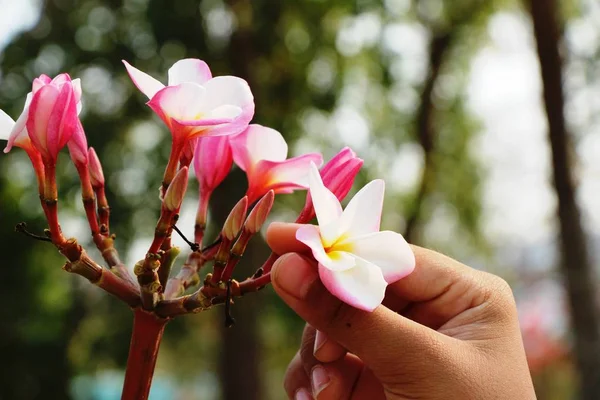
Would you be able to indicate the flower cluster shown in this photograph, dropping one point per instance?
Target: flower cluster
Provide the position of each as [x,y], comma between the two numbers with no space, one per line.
[209,119]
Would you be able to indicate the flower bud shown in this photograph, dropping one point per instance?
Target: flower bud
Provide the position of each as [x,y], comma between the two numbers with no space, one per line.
[53,115]
[235,220]
[260,212]
[339,173]
[176,191]
[96,174]
[212,161]
[78,147]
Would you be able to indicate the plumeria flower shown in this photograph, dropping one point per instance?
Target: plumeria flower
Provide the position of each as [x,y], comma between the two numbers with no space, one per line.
[261,152]
[195,104]
[356,260]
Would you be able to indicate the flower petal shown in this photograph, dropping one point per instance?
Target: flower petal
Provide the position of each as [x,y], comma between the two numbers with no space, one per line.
[336,261]
[327,207]
[363,213]
[18,135]
[39,113]
[6,125]
[295,170]
[147,84]
[189,70]
[182,102]
[224,112]
[227,90]
[258,143]
[362,287]
[388,250]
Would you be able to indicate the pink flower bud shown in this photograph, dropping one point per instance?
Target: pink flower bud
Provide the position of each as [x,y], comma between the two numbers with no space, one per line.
[260,212]
[96,173]
[78,147]
[235,220]
[338,176]
[52,116]
[176,190]
[212,161]
[339,173]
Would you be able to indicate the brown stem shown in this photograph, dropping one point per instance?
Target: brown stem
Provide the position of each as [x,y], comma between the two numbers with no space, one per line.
[143,350]
[50,204]
[81,264]
[171,169]
[103,209]
[88,197]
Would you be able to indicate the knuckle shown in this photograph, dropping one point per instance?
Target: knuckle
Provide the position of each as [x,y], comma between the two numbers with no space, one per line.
[500,296]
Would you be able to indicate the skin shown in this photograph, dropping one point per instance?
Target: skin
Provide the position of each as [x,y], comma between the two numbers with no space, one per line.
[446,331]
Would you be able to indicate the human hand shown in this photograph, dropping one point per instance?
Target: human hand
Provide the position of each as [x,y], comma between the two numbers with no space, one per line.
[446,331]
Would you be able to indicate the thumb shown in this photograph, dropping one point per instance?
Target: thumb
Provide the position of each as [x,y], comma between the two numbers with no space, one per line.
[384,340]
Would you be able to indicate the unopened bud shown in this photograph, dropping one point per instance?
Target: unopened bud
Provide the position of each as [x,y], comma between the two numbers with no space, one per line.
[235,220]
[260,212]
[95,168]
[339,173]
[176,191]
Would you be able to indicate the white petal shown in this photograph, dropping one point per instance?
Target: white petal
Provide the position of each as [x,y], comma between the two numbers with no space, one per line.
[227,90]
[182,101]
[363,213]
[264,143]
[327,207]
[147,84]
[77,90]
[388,250]
[6,125]
[362,287]
[225,111]
[335,261]
[189,70]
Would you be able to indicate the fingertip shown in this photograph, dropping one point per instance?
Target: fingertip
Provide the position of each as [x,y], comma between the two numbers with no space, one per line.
[281,238]
[292,276]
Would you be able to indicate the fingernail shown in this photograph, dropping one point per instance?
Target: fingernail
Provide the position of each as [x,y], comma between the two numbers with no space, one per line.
[294,274]
[302,394]
[320,339]
[320,379]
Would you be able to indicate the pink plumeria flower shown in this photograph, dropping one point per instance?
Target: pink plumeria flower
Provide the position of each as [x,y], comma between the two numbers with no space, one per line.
[261,152]
[194,103]
[356,260]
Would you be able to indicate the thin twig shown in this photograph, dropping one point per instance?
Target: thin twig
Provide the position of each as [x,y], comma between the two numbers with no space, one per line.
[21,228]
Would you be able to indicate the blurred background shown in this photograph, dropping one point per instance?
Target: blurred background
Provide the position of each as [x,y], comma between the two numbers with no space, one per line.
[482,116]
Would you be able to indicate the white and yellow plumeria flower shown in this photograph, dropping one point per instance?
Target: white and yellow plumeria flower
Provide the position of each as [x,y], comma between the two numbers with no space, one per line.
[356,260]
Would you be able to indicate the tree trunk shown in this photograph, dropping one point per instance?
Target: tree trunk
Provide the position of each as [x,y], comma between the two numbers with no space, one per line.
[425,131]
[576,266]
